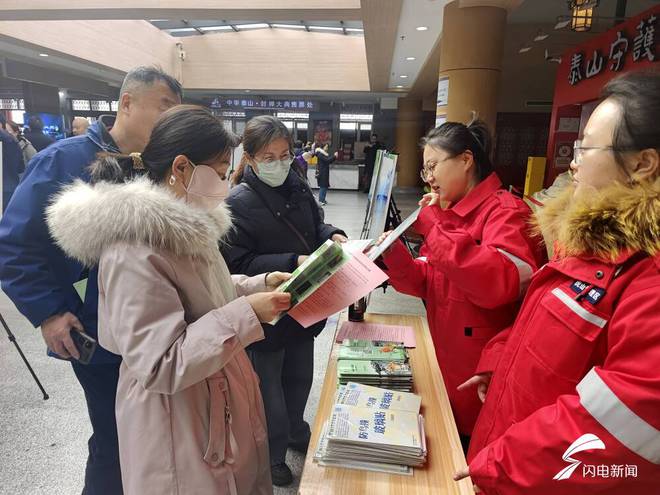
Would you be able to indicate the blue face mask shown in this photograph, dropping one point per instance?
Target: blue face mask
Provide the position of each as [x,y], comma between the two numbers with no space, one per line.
[273,173]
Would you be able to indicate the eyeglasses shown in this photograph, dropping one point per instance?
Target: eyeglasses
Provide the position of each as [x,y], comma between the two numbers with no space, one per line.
[429,168]
[578,150]
[271,159]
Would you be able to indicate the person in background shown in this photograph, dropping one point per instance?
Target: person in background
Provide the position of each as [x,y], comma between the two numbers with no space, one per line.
[35,134]
[323,171]
[189,413]
[578,369]
[277,224]
[370,159]
[299,159]
[38,277]
[298,148]
[12,162]
[478,256]
[79,126]
[26,146]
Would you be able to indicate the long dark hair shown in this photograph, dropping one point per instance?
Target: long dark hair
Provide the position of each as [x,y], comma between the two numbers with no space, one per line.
[187,130]
[638,96]
[260,132]
[456,137]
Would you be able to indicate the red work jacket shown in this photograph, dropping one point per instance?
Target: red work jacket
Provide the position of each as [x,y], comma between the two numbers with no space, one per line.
[478,261]
[574,403]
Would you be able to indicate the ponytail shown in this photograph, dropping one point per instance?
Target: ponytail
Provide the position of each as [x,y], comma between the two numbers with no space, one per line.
[114,167]
[237,176]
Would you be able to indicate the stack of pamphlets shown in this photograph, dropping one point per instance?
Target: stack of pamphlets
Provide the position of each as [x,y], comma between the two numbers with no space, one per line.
[376,363]
[373,429]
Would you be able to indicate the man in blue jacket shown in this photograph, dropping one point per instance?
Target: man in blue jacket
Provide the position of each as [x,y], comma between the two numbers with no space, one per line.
[39,278]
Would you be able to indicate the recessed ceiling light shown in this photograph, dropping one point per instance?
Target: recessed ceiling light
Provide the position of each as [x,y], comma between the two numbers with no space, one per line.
[216,28]
[181,30]
[410,58]
[43,54]
[540,36]
[258,25]
[289,26]
[399,86]
[422,28]
[326,28]
[403,76]
[561,24]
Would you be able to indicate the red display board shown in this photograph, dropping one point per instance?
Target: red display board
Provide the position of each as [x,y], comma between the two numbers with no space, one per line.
[585,69]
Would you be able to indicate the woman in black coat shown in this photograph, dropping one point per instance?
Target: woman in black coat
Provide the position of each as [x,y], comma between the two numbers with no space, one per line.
[277,224]
[323,171]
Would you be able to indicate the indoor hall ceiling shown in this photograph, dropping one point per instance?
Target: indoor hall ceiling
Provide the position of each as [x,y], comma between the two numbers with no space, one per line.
[183,28]
[530,16]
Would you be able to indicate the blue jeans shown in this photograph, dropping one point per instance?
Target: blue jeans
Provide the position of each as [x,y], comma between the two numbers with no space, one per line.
[322,192]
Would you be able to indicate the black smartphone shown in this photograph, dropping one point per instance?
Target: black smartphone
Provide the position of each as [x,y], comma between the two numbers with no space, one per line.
[85,344]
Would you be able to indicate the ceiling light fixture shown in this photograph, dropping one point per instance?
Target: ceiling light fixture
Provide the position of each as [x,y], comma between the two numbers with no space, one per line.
[260,25]
[399,86]
[541,35]
[562,22]
[289,26]
[43,54]
[524,49]
[326,28]
[582,13]
[355,30]
[410,58]
[181,30]
[216,28]
[422,28]
[403,76]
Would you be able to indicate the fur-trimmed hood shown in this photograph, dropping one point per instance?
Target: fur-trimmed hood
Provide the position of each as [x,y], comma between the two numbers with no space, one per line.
[604,224]
[85,219]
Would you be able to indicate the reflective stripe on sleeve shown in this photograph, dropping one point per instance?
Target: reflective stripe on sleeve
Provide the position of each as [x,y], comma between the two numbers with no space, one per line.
[577,309]
[524,271]
[617,418]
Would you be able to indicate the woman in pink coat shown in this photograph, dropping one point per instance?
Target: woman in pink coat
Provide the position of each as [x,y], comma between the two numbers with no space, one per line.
[189,414]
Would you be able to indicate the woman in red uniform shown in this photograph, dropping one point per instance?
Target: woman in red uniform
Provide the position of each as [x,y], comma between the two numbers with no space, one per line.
[478,256]
[574,403]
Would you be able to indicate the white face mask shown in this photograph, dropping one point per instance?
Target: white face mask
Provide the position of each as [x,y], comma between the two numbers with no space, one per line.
[206,189]
[273,173]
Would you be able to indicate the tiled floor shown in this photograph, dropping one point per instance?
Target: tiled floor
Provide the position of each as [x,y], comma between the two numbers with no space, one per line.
[43,444]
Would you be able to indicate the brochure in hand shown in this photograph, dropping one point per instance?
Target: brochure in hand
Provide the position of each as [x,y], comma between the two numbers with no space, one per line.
[330,279]
[368,246]
[315,270]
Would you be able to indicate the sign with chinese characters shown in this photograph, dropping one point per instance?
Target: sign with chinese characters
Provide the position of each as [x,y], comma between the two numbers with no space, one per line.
[627,44]
[12,104]
[259,103]
[443,91]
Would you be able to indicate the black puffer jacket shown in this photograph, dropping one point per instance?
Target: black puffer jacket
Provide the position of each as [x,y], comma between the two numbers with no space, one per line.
[323,164]
[264,240]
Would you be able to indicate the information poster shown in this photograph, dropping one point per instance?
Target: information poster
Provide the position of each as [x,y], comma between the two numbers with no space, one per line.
[379,195]
[322,132]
